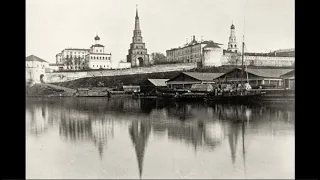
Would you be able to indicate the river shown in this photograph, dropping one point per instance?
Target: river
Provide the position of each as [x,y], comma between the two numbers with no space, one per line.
[101,138]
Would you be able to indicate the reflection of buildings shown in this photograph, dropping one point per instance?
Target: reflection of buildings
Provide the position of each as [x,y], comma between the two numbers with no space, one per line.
[37,118]
[139,132]
[78,128]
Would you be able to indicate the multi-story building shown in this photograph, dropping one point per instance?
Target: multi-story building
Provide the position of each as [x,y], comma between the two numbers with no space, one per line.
[137,54]
[208,53]
[79,59]
[97,58]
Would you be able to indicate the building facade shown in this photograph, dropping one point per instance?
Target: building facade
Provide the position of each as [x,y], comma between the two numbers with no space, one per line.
[137,54]
[80,59]
[35,69]
[208,53]
[97,58]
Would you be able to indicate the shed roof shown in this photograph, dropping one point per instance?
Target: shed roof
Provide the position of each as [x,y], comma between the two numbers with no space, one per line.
[289,74]
[35,58]
[83,89]
[158,82]
[203,76]
[272,73]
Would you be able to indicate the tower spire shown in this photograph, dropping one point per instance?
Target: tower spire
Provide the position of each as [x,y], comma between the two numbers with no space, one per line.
[137,16]
[137,25]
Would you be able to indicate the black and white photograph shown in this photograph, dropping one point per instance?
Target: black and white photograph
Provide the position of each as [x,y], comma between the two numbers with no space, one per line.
[160,89]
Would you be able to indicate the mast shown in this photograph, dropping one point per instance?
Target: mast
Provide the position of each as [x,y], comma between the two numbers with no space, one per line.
[242,66]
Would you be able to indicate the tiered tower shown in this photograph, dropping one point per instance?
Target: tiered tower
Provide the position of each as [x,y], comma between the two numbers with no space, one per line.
[232,44]
[137,54]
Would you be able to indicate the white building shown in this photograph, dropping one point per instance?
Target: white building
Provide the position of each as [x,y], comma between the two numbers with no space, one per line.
[98,58]
[81,59]
[35,69]
[208,53]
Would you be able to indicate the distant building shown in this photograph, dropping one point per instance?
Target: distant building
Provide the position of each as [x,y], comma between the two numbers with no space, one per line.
[137,54]
[80,59]
[35,69]
[97,58]
[206,53]
[232,55]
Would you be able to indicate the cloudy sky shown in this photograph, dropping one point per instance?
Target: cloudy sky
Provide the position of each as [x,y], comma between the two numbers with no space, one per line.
[52,25]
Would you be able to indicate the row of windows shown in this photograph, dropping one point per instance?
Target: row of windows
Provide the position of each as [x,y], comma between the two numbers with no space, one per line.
[172,53]
[190,56]
[100,66]
[100,58]
[235,46]
[75,67]
[139,52]
[137,47]
[75,52]
[75,56]
[98,50]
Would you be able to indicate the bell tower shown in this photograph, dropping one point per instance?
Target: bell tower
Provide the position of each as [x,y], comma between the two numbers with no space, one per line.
[232,44]
[137,54]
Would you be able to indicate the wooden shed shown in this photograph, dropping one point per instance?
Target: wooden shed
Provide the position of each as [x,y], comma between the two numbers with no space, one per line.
[150,86]
[186,79]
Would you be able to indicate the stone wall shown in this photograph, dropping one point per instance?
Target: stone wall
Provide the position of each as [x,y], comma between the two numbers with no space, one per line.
[55,77]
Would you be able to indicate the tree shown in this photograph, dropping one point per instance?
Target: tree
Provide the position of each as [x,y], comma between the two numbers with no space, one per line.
[158,58]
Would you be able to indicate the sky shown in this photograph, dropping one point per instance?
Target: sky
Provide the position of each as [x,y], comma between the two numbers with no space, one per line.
[53,25]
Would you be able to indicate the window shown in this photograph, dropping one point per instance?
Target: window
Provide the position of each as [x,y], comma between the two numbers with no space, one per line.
[231,45]
[100,50]
[235,45]
[92,65]
[104,65]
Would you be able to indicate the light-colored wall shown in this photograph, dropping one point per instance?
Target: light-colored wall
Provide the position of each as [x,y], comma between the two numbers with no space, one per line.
[262,60]
[34,69]
[212,56]
[97,64]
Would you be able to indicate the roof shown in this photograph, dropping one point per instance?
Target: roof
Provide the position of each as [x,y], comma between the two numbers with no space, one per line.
[77,49]
[159,82]
[271,73]
[56,64]
[99,53]
[289,74]
[97,37]
[212,44]
[97,45]
[203,76]
[35,58]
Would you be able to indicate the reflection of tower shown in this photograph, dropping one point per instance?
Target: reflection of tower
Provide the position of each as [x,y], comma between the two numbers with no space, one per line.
[233,140]
[139,133]
[100,131]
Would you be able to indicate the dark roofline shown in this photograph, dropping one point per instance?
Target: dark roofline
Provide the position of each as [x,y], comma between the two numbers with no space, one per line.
[76,49]
[99,53]
[35,58]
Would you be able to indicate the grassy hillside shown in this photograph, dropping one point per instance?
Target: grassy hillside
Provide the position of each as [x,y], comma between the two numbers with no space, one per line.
[116,81]
[119,81]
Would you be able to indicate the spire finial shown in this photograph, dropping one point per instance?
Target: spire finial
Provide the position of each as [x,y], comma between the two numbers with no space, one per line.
[137,10]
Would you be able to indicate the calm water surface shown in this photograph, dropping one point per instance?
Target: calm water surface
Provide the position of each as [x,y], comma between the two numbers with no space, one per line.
[131,138]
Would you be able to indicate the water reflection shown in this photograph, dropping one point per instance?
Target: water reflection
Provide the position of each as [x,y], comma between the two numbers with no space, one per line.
[139,133]
[201,126]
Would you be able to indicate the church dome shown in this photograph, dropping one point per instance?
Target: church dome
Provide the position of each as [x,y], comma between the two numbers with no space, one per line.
[232,26]
[97,38]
